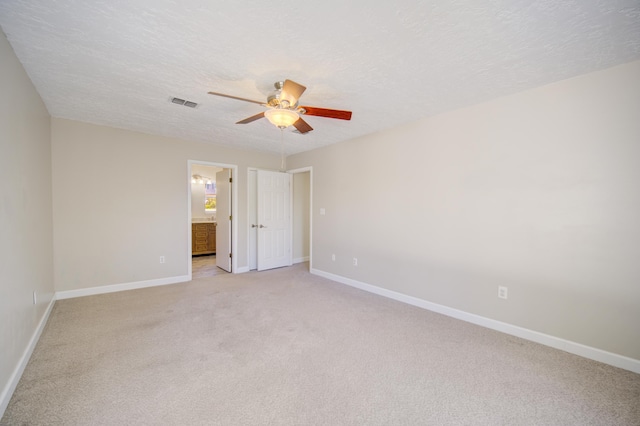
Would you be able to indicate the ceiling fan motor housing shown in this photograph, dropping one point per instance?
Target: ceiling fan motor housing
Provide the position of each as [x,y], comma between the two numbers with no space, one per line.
[274,99]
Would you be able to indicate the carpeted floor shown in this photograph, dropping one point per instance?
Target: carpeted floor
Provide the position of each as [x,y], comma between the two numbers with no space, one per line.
[283,347]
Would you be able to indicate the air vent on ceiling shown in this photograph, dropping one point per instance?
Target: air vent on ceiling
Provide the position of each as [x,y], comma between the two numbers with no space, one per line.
[183,102]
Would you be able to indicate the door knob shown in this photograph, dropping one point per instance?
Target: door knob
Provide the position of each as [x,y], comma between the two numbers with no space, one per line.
[253,225]
[262,226]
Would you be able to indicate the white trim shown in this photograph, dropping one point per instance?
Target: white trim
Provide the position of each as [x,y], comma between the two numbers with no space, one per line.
[90,291]
[579,349]
[242,269]
[10,387]
[300,170]
[301,259]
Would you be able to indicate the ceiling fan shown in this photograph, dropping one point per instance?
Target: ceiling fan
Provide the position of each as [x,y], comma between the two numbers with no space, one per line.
[283,109]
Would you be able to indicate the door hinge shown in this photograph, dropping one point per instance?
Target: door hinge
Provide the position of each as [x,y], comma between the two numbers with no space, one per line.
[230,180]
[229,217]
[229,254]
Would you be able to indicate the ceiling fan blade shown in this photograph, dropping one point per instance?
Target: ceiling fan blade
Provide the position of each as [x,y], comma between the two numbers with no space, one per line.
[302,126]
[237,98]
[329,113]
[291,91]
[252,118]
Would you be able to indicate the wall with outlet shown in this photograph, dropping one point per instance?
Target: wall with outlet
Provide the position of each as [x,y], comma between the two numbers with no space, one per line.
[142,210]
[26,232]
[536,192]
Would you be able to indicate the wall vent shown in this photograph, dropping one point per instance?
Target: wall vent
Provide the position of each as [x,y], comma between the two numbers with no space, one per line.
[183,102]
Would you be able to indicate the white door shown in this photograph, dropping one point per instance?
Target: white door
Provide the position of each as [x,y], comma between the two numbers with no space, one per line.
[253,220]
[274,220]
[223,219]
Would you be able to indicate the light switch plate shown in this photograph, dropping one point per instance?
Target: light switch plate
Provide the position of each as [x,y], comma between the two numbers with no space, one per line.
[502,292]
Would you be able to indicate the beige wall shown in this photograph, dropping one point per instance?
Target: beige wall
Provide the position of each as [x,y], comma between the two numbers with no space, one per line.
[120,202]
[26,259]
[538,192]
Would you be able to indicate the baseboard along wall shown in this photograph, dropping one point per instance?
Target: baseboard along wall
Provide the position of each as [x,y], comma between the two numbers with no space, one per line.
[579,349]
[10,387]
[91,291]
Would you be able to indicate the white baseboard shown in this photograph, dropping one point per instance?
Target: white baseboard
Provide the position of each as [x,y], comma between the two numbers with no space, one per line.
[300,259]
[579,349]
[69,294]
[242,270]
[10,387]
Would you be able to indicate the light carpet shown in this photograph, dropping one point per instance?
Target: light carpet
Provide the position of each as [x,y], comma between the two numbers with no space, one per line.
[284,347]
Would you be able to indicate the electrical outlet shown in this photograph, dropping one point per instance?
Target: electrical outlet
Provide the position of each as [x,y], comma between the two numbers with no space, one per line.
[161,259]
[322,211]
[355,261]
[333,257]
[502,292]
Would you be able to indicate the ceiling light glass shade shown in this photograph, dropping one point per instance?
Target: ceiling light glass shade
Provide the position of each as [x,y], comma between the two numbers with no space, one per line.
[281,117]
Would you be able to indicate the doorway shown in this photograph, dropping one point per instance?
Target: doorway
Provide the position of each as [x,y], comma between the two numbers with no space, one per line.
[210,230]
[298,234]
[302,209]
[269,219]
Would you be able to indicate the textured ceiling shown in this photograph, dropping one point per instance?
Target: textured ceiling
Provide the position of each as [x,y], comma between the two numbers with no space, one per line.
[119,62]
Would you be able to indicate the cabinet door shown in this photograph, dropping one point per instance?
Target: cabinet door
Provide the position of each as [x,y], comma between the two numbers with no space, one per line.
[212,237]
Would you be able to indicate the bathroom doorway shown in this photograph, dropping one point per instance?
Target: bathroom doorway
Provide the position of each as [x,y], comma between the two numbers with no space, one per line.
[205,245]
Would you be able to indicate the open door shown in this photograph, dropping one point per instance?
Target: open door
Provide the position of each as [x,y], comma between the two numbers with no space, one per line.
[274,220]
[223,219]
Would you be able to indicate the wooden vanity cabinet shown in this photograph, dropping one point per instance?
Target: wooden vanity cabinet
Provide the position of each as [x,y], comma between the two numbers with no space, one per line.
[211,240]
[203,238]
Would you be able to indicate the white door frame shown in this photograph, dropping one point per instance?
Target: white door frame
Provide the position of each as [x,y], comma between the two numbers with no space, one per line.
[292,171]
[234,210]
[304,170]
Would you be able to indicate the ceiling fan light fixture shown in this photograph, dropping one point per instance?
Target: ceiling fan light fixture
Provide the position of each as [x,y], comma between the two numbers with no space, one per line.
[281,118]
[283,110]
